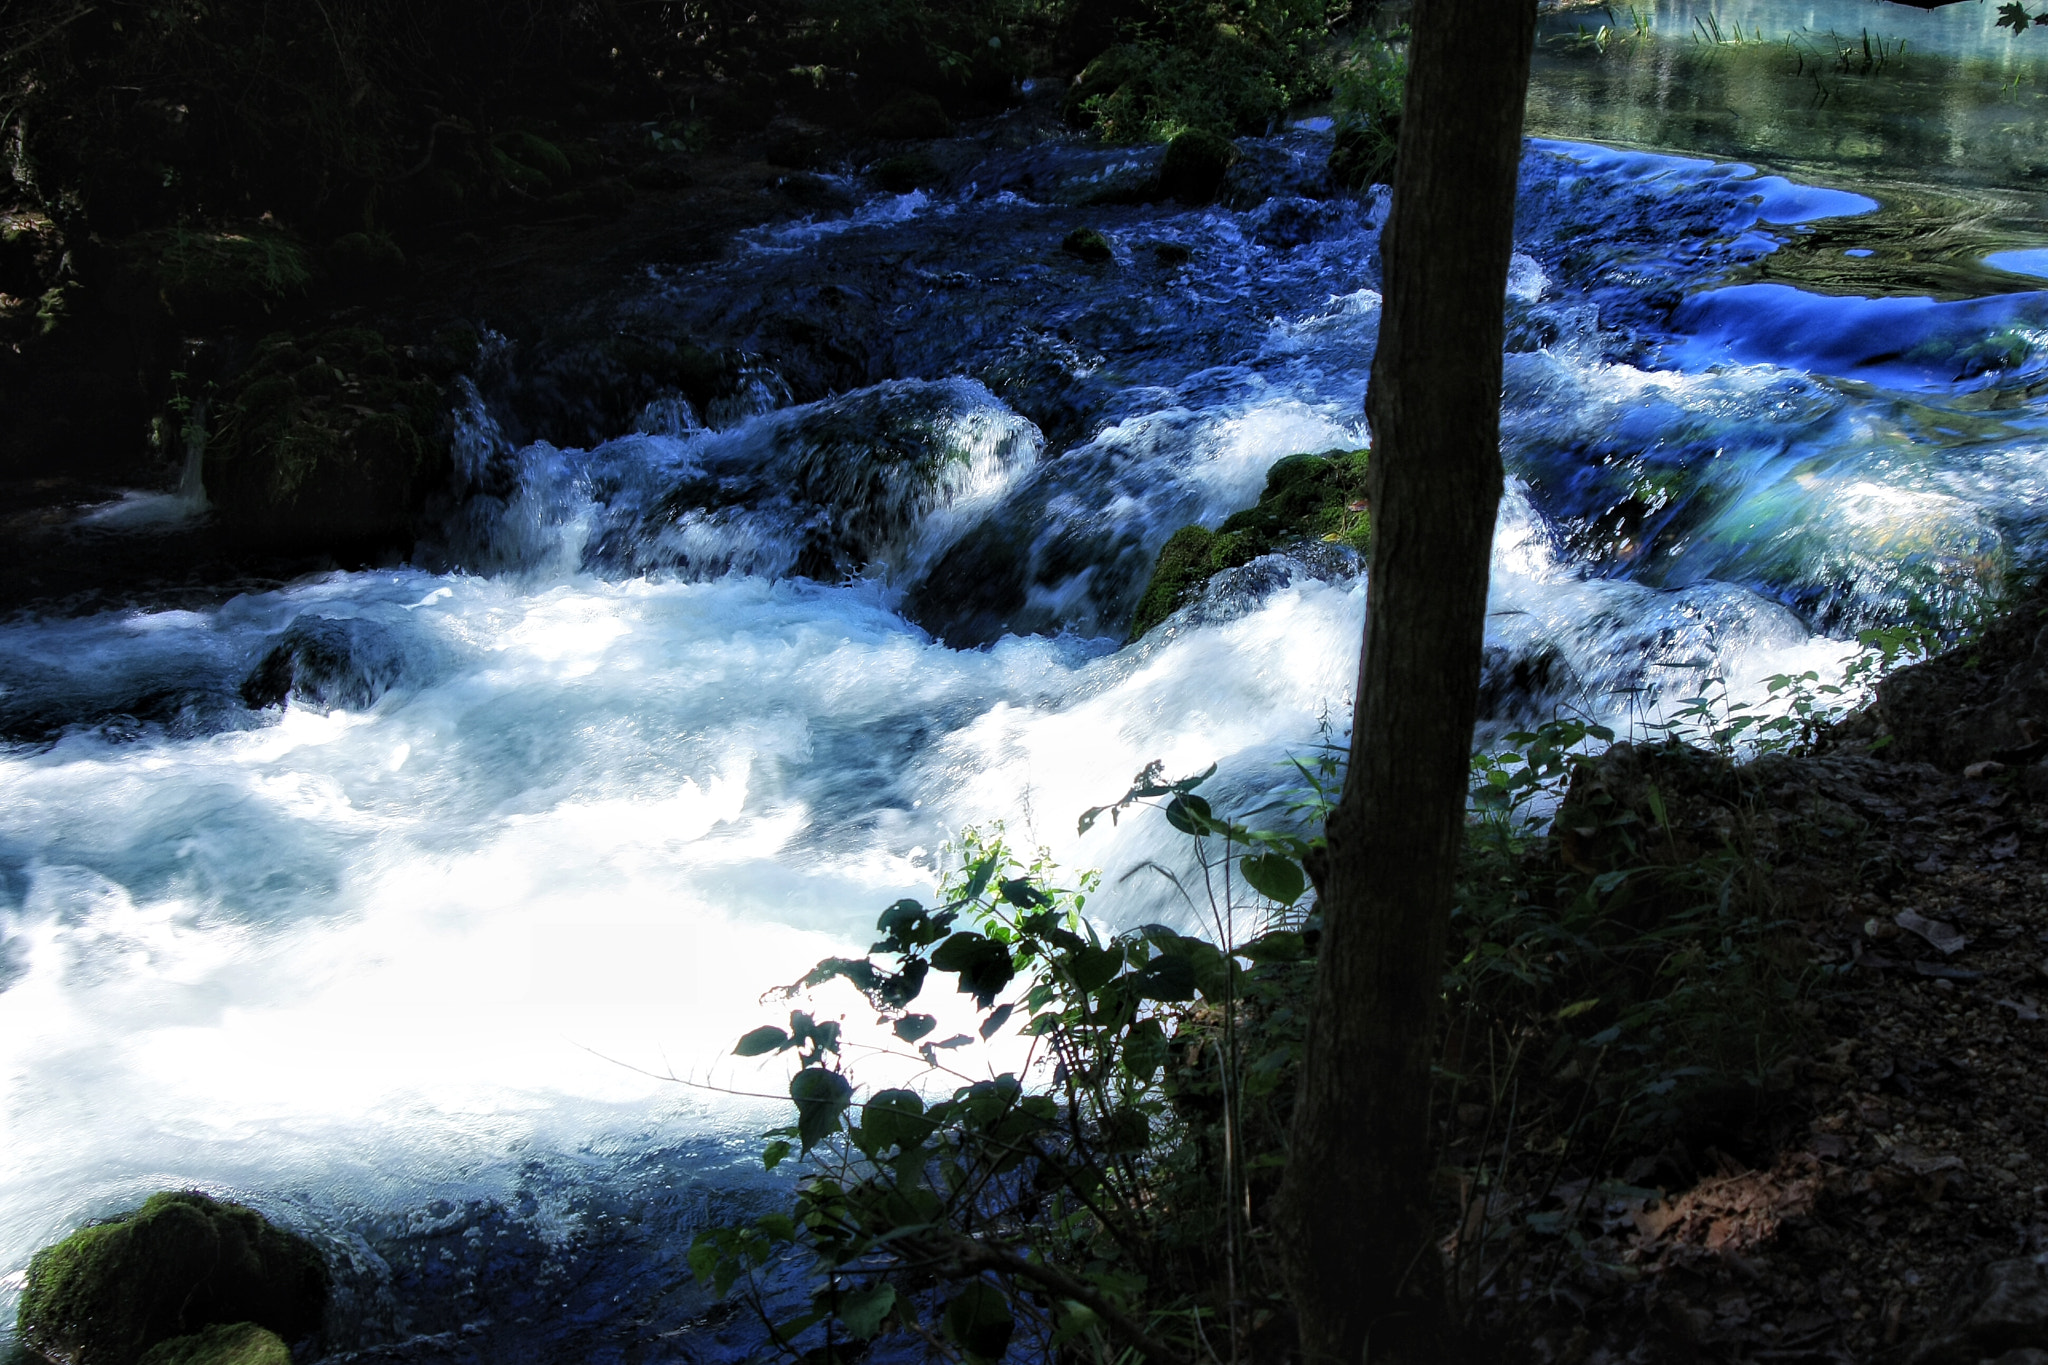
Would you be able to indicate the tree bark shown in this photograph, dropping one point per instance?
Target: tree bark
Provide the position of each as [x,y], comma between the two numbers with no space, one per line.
[1357,1235]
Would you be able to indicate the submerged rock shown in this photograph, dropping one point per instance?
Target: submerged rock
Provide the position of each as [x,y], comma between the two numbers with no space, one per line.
[326,664]
[181,1263]
[1307,497]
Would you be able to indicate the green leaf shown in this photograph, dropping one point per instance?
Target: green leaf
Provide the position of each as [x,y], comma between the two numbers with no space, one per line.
[1281,945]
[821,1097]
[1274,876]
[766,1038]
[982,964]
[996,1020]
[1577,1008]
[1145,1049]
[1189,814]
[1019,891]
[1125,1130]
[912,1027]
[977,879]
[773,1153]
[1091,968]
[895,1118]
[979,1319]
[863,1311]
[1165,978]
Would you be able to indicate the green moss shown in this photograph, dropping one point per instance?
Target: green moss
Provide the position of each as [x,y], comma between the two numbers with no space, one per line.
[180,1263]
[530,161]
[213,274]
[1196,162]
[1087,244]
[236,1343]
[1307,497]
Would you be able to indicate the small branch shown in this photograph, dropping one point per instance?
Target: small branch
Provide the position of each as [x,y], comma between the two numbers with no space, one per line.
[972,1257]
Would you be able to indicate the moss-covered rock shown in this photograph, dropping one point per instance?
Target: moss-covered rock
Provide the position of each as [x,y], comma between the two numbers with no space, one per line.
[909,116]
[1196,162]
[1307,497]
[331,439]
[181,1263]
[215,276]
[226,1343]
[902,174]
[1088,245]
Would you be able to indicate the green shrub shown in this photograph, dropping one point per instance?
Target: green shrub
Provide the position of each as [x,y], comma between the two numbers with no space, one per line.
[1367,88]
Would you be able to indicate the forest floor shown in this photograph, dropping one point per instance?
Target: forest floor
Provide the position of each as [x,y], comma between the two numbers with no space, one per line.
[1894,1204]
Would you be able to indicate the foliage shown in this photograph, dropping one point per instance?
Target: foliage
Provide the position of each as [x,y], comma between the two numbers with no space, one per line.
[1367,88]
[1229,67]
[1307,497]
[1105,1176]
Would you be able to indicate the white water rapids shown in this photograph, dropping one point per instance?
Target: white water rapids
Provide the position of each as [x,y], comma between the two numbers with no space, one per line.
[573,809]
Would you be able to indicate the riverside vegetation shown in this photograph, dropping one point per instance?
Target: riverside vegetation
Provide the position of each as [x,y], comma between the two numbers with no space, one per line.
[1640,988]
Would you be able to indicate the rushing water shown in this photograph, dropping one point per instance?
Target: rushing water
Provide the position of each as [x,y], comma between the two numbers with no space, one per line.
[659,722]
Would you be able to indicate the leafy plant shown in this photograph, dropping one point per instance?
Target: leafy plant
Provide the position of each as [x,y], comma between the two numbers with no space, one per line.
[1095,1198]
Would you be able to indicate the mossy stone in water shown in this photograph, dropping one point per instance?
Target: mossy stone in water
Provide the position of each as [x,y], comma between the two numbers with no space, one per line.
[225,1343]
[1196,162]
[1089,245]
[180,1263]
[1307,497]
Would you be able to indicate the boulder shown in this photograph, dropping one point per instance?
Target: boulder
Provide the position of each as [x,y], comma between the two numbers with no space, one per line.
[1196,162]
[326,441]
[181,1263]
[1318,498]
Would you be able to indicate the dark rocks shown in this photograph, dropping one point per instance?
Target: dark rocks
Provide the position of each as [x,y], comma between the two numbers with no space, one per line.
[328,665]
[2005,1319]
[1088,245]
[1195,165]
[1986,700]
[181,1263]
[796,144]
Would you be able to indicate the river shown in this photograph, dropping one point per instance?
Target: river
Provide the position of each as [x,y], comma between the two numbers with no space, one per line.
[649,727]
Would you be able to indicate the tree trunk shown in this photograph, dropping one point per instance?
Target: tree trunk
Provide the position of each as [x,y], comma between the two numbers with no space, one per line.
[1355,1203]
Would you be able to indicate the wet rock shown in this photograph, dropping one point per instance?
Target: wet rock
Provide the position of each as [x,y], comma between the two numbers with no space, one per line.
[902,174]
[181,1263]
[1307,497]
[910,116]
[328,665]
[236,1343]
[2006,1316]
[1088,245]
[1984,701]
[1194,167]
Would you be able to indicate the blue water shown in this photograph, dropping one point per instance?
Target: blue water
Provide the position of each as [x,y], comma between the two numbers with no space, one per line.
[653,725]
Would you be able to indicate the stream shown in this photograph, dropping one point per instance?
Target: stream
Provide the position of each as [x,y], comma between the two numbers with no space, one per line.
[648,727]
